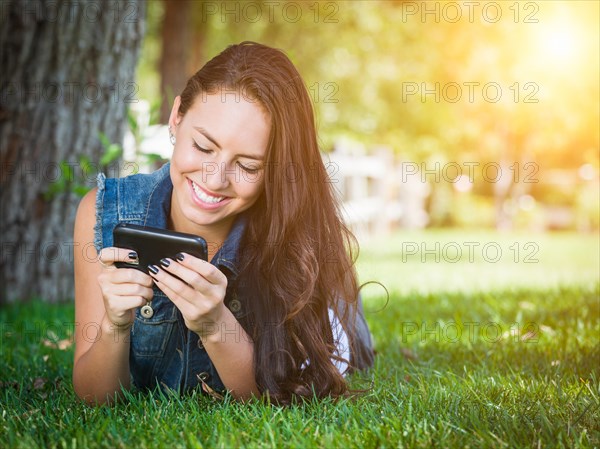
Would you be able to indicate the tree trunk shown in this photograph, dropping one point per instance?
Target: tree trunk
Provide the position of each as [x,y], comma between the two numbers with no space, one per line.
[68,72]
[175,48]
[200,23]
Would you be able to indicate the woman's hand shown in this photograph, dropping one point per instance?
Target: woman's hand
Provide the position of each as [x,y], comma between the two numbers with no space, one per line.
[123,289]
[198,295]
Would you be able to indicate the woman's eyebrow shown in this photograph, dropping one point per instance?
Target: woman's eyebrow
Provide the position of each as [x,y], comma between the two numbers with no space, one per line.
[212,139]
[207,135]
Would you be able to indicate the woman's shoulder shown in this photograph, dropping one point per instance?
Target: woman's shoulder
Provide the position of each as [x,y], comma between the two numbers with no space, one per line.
[86,216]
[87,205]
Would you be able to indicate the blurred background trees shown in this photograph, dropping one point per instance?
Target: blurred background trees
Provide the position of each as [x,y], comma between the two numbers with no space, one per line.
[482,113]
[511,85]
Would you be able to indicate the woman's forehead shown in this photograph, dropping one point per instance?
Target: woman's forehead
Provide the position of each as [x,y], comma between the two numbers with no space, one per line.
[231,120]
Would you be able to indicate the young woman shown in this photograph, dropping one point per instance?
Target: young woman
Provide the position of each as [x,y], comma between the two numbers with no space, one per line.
[277,310]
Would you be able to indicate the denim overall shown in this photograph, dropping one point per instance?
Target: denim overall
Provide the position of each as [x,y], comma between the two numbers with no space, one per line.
[163,350]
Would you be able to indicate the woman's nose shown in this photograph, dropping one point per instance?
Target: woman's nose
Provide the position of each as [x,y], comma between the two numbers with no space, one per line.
[217,175]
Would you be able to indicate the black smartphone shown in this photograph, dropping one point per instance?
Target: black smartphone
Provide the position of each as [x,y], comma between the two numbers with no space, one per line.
[153,244]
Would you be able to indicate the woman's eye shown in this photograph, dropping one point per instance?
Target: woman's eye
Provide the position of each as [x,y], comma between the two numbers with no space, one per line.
[199,148]
[250,170]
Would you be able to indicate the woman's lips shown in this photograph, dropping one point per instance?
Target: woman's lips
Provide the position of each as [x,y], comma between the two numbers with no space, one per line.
[206,200]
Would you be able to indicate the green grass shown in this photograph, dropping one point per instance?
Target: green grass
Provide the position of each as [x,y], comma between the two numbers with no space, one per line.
[472,353]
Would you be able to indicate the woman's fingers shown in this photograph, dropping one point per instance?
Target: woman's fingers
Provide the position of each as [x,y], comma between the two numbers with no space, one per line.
[186,286]
[195,271]
[174,289]
[130,290]
[125,303]
[121,299]
[131,275]
[108,256]
[125,276]
[123,289]
[198,276]
[196,287]
[166,280]
[122,308]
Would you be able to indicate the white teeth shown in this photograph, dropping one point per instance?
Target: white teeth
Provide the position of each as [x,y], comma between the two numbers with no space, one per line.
[204,197]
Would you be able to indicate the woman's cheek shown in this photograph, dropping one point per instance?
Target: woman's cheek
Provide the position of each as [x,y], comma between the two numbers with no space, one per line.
[183,158]
[252,183]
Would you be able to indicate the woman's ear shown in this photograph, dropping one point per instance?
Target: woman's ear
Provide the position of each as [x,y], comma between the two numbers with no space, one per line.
[174,118]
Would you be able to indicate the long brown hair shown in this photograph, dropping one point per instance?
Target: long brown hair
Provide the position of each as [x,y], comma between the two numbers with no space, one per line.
[299,256]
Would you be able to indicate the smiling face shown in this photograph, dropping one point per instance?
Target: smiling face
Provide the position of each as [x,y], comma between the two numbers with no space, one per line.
[218,161]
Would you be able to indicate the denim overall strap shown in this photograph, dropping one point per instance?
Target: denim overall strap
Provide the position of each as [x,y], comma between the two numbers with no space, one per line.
[143,199]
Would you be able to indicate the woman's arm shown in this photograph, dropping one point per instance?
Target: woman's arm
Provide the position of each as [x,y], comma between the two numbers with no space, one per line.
[232,352]
[101,362]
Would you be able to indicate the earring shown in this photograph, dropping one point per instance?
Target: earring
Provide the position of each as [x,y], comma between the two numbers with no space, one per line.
[171,136]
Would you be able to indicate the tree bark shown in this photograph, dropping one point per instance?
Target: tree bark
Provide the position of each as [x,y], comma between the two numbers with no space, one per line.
[68,75]
[175,48]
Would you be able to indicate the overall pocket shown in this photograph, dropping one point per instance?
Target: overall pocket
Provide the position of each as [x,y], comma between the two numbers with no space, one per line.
[150,336]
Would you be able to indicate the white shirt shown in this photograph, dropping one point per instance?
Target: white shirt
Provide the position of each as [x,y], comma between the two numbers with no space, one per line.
[340,340]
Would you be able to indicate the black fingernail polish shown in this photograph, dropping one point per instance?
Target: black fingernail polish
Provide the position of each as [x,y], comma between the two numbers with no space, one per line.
[153,268]
[165,262]
[179,256]
[132,255]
